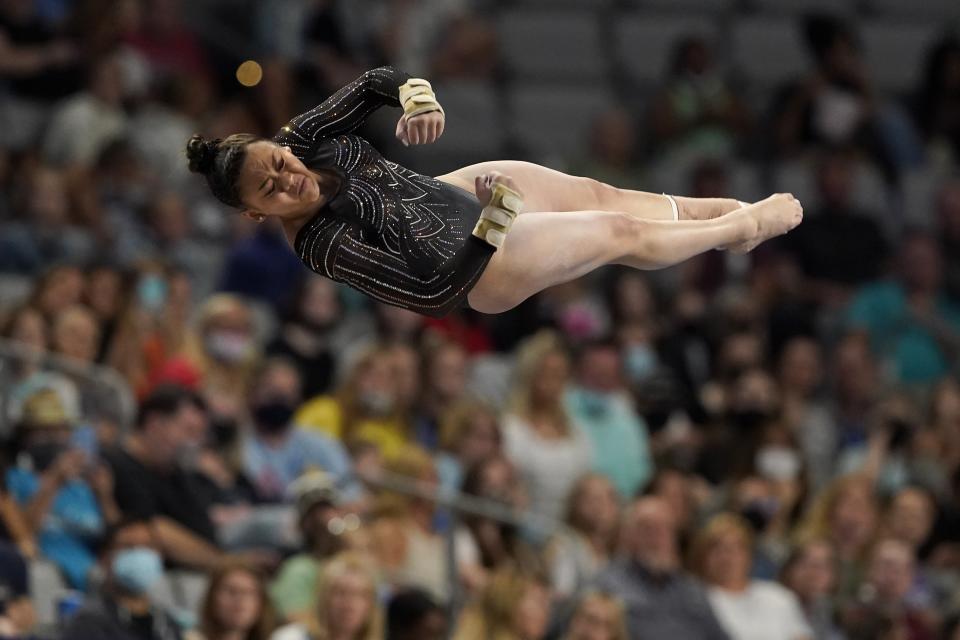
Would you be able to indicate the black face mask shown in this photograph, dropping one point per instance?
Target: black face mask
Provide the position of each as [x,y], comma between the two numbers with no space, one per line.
[749,419]
[273,416]
[223,431]
[43,455]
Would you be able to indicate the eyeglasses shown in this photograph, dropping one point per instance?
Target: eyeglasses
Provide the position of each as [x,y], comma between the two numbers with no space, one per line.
[341,525]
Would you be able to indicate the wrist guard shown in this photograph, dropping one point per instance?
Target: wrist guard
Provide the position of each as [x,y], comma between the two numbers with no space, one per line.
[416,97]
[498,216]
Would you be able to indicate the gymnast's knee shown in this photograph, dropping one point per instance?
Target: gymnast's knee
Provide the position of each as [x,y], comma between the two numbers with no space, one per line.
[605,196]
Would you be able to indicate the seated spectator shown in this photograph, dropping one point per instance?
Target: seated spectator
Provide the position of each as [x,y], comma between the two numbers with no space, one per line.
[910,321]
[276,451]
[17,615]
[444,384]
[936,100]
[513,606]
[583,549]
[67,496]
[600,403]
[408,551]
[105,295]
[236,606]
[484,545]
[598,616]
[14,531]
[150,484]
[810,574]
[541,438]
[308,335]
[882,607]
[414,615]
[364,407]
[318,502]
[132,566]
[470,434]
[346,605]
[747,609]
[661,599]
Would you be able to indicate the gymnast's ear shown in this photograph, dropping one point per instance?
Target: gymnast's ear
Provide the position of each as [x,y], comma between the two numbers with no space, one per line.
[256,216]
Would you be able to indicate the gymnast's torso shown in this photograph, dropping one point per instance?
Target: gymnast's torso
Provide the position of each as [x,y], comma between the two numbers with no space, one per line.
[398,236]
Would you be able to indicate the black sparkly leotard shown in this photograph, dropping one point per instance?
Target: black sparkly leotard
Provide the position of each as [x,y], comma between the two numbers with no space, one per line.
[396,235]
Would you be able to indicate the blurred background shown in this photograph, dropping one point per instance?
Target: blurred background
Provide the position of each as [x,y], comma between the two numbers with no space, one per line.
[202,439]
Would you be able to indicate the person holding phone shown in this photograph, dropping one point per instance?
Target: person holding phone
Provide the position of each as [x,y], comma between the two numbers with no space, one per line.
[67,496]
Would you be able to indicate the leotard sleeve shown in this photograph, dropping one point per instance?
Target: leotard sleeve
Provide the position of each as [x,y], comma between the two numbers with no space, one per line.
[336,249]
[346,109]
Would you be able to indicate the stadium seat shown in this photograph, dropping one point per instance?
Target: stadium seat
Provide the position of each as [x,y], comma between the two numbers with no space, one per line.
[554,46]
[769,51]
[556,119]
[895,53]
[645,44]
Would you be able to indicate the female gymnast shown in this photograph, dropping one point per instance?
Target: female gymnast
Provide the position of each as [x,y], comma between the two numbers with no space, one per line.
[489,235]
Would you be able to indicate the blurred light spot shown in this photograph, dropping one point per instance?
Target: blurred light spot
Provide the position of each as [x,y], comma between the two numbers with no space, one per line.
[249,73]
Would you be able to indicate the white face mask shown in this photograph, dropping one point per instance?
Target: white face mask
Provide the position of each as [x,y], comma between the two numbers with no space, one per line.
[778,463]
[228,346]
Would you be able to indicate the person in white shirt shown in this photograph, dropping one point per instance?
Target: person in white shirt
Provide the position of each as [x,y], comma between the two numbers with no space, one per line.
[747,609]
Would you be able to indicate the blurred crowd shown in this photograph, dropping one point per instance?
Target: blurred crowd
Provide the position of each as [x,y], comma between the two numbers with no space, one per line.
[202,439]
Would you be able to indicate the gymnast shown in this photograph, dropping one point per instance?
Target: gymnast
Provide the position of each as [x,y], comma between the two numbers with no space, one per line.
[489,235]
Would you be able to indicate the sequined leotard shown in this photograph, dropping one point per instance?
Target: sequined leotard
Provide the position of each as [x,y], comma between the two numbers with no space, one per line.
[396,235]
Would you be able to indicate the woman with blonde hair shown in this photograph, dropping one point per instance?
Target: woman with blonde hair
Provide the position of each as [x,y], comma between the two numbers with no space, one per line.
[747,609]
[576,554]
[347,606]
[236,606]
[513,606]
[363,408]
[548,449]
[599,616]
[469,434]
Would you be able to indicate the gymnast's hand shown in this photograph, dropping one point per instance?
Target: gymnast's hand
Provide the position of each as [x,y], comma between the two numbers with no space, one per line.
[483,185]
[420,129]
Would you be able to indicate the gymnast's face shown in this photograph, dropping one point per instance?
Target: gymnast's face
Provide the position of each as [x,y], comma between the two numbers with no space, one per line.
[274,182]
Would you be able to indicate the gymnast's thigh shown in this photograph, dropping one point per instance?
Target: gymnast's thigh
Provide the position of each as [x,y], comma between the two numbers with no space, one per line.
[544,189]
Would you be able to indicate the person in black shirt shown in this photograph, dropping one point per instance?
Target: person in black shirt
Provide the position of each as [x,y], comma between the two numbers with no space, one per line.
[432,244]
[123,610]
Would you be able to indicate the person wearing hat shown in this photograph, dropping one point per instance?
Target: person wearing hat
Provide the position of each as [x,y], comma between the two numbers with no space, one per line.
[323,523]
[67,498]
[17,616]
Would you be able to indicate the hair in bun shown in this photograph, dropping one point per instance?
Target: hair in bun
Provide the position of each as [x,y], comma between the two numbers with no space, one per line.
[220,161]
[201,153]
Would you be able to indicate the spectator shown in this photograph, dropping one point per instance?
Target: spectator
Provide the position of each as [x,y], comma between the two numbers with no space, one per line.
[346,605]
[363,408]
[123,610]
[276,451]
[236,606]
[614,152]
[598,617]
[414,615]
[697,112]
[947,228]
[810,574]
[470,434]
[540,437]
[151,485]
[938,98]
[909,319]
[746,608]
[910,517]
[882,608]
[105,295]
[17,614]
[444,384]
[262,267]
[318,503]
[599,402]
[577,554]
[855,390]
[661,600]
[513,606]
[308,335]
[66,494]
[76,334]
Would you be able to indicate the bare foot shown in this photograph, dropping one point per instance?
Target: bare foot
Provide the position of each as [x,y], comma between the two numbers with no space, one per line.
[773,217]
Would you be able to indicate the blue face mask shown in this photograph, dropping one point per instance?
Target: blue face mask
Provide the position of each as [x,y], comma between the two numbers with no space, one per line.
[137,569]
[152,292]
[640,362]
[593,403]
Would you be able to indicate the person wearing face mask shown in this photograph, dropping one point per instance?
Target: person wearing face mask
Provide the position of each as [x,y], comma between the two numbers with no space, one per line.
[123,609]
[276,451]
[600,404]
[66,498]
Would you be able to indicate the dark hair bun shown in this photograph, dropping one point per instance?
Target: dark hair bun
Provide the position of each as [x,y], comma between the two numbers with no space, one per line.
[201,153]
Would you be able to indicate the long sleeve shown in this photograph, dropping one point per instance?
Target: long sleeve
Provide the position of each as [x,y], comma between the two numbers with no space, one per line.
[335,248]
[346,109]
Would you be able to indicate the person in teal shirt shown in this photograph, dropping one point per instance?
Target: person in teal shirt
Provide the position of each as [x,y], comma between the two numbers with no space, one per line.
[600,404]
[913,326]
